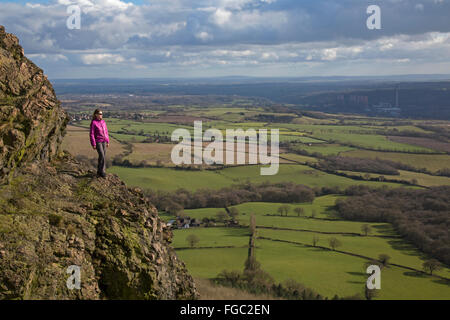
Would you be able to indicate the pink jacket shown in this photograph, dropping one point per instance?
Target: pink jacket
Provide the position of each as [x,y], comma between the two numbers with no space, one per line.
[99,132]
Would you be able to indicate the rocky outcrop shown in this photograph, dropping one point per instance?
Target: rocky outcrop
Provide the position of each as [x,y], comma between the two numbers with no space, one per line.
[31,118]
[54,212]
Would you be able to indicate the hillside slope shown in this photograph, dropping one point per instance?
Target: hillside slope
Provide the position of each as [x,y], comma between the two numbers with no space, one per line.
[54,212]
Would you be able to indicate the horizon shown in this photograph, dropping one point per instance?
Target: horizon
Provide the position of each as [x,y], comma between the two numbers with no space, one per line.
[381,77]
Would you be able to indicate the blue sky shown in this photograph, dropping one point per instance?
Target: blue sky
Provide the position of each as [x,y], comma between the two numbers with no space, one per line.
[197,38]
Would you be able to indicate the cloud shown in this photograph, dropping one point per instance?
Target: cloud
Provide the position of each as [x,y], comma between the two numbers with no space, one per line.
[245,34]
[103,58]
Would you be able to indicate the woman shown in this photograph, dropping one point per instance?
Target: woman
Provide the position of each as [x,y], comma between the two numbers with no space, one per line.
[99,137]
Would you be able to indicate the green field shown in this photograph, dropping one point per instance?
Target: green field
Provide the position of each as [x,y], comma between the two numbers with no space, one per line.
[312,266]
[170,179]
[433,162]
[213,237]
[321,269]
[370,246]
[327,272]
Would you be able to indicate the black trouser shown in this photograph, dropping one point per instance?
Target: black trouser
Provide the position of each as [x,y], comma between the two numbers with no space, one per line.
[101,149]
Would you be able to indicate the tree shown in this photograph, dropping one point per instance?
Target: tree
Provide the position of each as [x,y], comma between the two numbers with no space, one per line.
[252,264]
[280,210]
[315,240]
[174,208]
[205,220]
[431,266]
[284,209]
[233,213]
[366,229]
[287,209]
[221,216]
[384,259]
[181,213]
[334,243]
[299,211]
[192,240]
[252,224]
[370,293]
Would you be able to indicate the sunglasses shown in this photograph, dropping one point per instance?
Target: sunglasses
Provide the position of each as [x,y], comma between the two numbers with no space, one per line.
[100,113]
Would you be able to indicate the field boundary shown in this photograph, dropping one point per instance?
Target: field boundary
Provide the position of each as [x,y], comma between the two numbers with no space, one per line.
[330,232]
[355,255]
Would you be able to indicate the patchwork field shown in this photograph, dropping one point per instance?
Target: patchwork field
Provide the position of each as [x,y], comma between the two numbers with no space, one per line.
[284,246]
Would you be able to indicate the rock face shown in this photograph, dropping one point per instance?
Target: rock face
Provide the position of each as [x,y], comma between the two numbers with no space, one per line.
[54,212]
[31,118]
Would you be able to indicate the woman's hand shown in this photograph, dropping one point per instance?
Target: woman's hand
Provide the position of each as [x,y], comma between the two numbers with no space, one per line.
[107,145]
[95,148]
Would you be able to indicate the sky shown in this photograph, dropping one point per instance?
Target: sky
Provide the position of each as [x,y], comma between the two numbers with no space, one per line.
[212,38]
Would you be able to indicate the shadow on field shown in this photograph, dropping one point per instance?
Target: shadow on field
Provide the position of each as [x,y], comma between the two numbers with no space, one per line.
[385,230]
[356,282]
[415,274]
[406,248]
[235,232]
[442,281]
[359,274]
[331,213]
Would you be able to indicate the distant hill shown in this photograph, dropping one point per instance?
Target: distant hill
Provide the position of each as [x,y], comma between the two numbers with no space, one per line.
[420,96]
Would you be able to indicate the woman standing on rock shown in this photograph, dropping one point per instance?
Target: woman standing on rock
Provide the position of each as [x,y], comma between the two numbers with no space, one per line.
[99,137]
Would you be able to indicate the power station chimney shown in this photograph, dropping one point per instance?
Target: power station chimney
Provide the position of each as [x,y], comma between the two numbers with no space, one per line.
[396,96]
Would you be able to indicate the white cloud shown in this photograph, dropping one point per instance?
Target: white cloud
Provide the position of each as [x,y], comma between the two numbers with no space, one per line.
[103,58]
[221,16]
[204,36]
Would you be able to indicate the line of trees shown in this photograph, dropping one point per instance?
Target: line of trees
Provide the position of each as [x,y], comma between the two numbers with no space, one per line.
[173,202]
[334,163]
[420,216]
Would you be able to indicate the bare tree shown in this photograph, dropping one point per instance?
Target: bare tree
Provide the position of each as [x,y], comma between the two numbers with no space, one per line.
[366,229]
[192,240]
[284,209]
[252,223]
[299,211]
[233,212]
[315,240]
[334,243]
[280,210]
[431,266]
[221,216]
[370,293]
[384,259]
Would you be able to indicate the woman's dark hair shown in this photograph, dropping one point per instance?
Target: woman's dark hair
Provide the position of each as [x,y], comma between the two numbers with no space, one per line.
[95,113]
